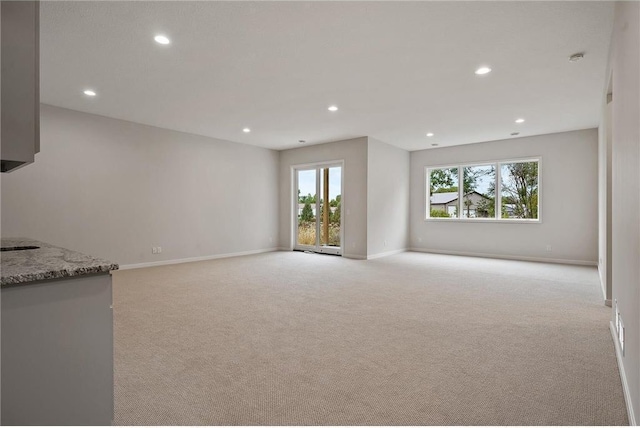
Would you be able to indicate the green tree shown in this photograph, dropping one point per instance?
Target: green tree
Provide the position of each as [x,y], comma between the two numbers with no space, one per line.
[467,202]
[471,175]
[486,208]
[307,212]
[442,178]
[335,215]
[520,188]
[445,179]
[446,189]
[439,213]
[305,199]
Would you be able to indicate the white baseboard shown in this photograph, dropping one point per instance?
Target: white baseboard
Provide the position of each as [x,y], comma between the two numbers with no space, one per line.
[506,257]
[354,256]
[623,376]
[197,259]
[602,286]
[385,254]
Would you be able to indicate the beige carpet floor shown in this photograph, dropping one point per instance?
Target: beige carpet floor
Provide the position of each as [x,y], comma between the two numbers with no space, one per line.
[412,339]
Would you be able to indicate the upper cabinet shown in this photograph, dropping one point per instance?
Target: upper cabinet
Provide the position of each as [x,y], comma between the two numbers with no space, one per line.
[20,109]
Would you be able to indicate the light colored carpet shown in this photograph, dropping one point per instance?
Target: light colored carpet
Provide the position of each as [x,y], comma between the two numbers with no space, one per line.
[413,339]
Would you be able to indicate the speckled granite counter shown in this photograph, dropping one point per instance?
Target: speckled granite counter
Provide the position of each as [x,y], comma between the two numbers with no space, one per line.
[46,262]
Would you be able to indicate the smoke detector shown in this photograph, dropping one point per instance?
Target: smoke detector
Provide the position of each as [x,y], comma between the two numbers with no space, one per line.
[576,57]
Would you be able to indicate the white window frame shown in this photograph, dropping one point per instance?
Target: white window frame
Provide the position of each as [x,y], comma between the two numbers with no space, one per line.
[498,201]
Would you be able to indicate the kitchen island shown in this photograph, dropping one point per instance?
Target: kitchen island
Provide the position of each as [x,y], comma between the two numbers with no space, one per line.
[57,335]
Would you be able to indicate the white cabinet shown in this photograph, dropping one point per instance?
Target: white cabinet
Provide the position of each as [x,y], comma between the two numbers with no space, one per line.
[20,109]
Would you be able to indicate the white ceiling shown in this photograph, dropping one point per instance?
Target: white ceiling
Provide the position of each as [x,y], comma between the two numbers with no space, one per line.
[396,70]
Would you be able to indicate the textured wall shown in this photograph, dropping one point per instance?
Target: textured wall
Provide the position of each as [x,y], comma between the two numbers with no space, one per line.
[388,198]
[115,189]
[569,201]
[625,253]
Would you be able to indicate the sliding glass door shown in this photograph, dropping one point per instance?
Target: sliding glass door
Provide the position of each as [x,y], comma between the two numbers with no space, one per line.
[318,208]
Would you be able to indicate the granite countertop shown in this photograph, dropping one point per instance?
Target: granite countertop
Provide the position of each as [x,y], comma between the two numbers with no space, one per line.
[46,262]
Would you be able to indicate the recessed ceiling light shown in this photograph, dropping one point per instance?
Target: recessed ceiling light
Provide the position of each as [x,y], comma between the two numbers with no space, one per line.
[519,120]
[89,93]
[483,70]
[163,40]
[246,130]
[333,108]
[429,134]
[576,57]
[513,134]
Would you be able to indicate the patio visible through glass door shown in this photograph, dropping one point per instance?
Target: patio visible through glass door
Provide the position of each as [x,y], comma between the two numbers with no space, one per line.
[318,204]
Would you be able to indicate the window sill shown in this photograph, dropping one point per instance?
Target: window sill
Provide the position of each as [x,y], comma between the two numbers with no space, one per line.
[481,220]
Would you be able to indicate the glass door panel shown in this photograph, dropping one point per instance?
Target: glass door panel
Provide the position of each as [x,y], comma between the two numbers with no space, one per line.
[319,220]
[323,217]
[306,230]
[330,190]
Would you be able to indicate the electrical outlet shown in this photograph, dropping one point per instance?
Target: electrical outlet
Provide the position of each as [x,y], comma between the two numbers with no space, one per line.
[419,239]
[159,250]
[385,243]
[154,250]
[549,249]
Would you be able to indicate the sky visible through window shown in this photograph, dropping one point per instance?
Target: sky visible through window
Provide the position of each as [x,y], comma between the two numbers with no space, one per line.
[307,182]
[485,179]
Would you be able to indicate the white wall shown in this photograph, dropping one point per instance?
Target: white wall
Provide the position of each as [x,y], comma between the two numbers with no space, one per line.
[625,67]
[604,200]
[114,189]
[0,189]
[569,201]
[354,198]
[388,198]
